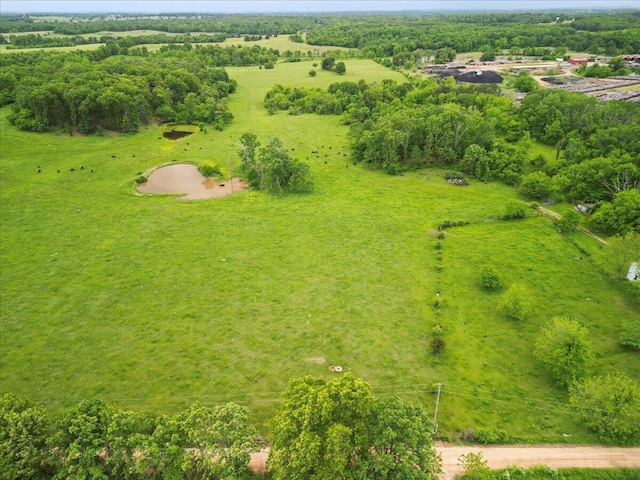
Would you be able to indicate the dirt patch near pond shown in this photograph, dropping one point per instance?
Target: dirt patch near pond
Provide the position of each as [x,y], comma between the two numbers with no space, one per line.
[183,178]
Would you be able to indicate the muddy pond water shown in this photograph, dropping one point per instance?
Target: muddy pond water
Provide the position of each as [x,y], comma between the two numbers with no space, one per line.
[186,179]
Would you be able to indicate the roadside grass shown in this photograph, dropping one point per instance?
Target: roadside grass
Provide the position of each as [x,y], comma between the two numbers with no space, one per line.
[152,303]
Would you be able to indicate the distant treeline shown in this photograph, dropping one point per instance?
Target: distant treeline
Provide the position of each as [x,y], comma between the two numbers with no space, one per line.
[380,35]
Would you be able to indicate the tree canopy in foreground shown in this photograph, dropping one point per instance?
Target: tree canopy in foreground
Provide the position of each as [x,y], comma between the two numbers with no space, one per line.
[337,429]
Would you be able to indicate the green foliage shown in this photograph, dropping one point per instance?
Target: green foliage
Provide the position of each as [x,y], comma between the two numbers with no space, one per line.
[210,169]
[609,405]
[514,210]
[24,432]
[489,278]
[564,347]
[271,168]
[621,216]
[121,94]
[328,63]
[438,345]
[340,68]
[545,472]
[337,429]
[569,221]
[525,83]
[261,239]
[517,302]
[491,437]
[622,250]
[312,73]
[140,179]
[488,56]
[474,465]
[536,185]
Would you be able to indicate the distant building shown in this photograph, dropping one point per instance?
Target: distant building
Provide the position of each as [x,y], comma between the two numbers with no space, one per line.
[584,207]
[578,61]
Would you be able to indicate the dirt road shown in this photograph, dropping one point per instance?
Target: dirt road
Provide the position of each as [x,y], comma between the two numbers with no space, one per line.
[557,216]
[560,456]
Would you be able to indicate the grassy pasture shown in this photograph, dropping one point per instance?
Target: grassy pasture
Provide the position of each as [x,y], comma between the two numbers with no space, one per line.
[149,302]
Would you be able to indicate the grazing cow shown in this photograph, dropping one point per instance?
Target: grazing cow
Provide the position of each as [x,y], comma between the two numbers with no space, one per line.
[39,170]
[113,156]
[92,170]
[325,161]
[82,167]
[58,171]
[73,169]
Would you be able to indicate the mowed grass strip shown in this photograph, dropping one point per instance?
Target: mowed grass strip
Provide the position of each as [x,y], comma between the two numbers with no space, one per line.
[149,302]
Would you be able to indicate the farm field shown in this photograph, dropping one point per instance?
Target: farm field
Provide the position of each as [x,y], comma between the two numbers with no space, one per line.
[152,303]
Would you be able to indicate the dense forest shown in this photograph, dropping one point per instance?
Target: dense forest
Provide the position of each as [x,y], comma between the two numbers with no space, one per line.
[375,35]
[119,88]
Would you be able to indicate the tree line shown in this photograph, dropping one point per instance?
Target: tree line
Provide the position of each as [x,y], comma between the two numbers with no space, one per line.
[478,131]
[120,88]
[324,429]
[387,35]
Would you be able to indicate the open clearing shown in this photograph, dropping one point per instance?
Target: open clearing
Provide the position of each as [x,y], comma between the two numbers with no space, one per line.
[150,303]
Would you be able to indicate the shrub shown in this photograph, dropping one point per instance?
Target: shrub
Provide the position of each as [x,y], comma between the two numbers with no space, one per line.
[514,209]
[140,179]
[569,222]
[437,345]
[209,169]
[564,348]
[312,73]
[475,467]
[490,437]
[516,302]
[489,278]
[609,405]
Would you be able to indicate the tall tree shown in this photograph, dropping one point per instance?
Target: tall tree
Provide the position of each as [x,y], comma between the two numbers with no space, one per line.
[609,405]
[24,431]
[337,429]
[563,346]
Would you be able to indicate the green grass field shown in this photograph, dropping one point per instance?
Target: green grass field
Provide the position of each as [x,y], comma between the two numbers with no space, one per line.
[152,303]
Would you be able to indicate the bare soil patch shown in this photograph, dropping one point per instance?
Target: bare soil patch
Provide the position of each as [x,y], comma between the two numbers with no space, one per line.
[183,178]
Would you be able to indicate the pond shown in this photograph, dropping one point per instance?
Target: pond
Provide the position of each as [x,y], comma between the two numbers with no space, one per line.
[186,179]
[176,134]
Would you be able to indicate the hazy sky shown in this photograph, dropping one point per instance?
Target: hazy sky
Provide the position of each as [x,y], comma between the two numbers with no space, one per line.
[265,6]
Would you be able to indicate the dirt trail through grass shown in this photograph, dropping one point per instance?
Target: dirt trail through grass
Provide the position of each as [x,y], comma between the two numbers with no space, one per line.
[559,456]
[557,216]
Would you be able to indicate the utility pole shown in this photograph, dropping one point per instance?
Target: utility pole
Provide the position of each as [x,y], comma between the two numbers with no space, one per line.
[435,414]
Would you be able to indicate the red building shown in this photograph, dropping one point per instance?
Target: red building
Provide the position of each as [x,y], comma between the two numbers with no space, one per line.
[578,61]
